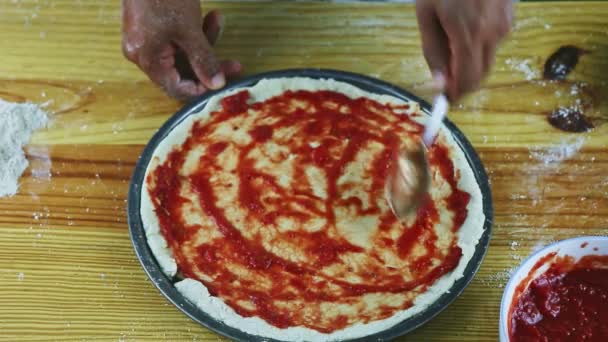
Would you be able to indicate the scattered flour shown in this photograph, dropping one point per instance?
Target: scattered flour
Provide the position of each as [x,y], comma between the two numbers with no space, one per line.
[574,90]
[516,257]
[514,245]
[526,22]
[566,149]
[515,254]
[499,279]
[523,66]
[17,122]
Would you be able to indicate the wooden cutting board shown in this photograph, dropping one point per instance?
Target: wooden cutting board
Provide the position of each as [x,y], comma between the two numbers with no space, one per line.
[67,268]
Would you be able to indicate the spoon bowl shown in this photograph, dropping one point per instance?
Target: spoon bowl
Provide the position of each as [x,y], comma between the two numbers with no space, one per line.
[408,181]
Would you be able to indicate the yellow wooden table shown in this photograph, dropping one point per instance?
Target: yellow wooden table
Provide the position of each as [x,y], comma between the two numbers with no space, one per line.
[67,268]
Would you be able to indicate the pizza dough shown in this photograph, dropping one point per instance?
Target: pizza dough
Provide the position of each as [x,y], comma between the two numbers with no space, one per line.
[339,265]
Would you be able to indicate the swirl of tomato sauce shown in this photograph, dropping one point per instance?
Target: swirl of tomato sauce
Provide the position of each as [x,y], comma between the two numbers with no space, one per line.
[329,281]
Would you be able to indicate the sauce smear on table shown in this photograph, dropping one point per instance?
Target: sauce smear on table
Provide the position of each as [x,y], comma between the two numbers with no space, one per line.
[570,119]
[562,62]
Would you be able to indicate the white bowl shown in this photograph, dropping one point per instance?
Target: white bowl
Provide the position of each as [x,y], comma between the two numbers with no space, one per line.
[576,248]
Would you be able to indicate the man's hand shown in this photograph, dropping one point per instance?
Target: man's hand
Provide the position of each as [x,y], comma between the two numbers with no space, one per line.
[172,44]
[460,37]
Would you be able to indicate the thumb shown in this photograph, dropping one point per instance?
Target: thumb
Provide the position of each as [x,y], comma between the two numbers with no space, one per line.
[434,43]
[204,63]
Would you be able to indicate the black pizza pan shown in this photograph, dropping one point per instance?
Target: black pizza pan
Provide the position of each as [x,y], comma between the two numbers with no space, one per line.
[165,284]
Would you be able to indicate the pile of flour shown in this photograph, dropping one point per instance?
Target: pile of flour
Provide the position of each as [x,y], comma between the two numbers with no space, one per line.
[17,122]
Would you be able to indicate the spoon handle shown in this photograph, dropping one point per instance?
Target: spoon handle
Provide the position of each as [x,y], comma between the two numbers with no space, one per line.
[431,128]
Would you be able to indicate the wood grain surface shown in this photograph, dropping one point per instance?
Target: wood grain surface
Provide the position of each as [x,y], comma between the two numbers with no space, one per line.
[67,268]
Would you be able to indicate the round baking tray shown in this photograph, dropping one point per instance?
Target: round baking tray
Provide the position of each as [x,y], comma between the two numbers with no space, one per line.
[165,284]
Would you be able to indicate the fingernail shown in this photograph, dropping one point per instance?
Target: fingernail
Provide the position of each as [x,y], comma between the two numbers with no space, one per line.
[218,81]
[439,80]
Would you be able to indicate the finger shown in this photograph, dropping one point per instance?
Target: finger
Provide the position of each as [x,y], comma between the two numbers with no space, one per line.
[182,64]
[213,26]
[173,85]
[468,66]
[203,61]
[503,21]
[509,18]
[178,88]
[159,65]
[434,40]
[466,56]
[500,26]
[489,56]
[231,68]
[187,89]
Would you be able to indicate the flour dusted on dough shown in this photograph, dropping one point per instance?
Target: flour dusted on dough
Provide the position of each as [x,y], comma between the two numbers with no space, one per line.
[17,122]
[468,235]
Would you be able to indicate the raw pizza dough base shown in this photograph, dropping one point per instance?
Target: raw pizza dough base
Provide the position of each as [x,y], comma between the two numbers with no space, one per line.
[468,235]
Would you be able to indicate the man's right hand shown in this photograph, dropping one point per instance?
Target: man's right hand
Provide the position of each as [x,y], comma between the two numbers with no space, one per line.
[172,44]
[460,37]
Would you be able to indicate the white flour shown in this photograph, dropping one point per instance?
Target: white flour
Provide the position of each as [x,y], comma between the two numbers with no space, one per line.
[565,150]
[17,122]
[525,66]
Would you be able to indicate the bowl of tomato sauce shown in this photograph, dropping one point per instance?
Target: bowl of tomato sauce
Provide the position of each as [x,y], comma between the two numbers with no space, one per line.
[559,293]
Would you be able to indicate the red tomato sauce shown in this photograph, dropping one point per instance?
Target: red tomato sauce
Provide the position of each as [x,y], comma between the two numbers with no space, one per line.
[341,137]
[568,302]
